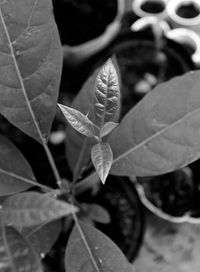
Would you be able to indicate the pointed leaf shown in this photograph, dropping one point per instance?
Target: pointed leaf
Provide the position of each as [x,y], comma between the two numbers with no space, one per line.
[30,209]
[161,133]
[102,158]
[99,214]
[107,95]
[31,61]
[76,143]
[78,121]
[106,256]
[43,237]
[107,128]
[15,173]
[16,253]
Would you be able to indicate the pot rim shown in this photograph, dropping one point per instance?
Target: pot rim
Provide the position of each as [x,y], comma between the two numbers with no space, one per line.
[75,55]
[186,218]
[144,22]
[136,7]
[172,7]
[189,37]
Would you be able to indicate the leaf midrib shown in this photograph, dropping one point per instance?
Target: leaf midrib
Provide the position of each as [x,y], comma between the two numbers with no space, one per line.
[154,136]
[21,79]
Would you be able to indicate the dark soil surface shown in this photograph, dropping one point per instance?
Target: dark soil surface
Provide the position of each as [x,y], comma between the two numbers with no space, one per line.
[80,21]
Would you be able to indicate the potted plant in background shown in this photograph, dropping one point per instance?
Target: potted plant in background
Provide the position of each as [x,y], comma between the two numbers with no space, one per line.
[159,135]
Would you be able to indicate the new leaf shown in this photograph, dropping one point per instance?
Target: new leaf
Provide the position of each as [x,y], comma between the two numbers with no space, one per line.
[102,158]
[107,95]
[78,121]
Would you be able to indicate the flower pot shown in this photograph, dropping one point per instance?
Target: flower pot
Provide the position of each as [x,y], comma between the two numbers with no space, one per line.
[155,8]
[74,20]
[174,196]
[143,65]
[81,41]
[184,13]
[189,39]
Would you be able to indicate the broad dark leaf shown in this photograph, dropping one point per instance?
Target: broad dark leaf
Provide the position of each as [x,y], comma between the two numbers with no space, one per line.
[15,173]
[78,121]
[107,128]
[30,65]
[44,236]
[107,95]
[102,158]
[16,253]
[30,209]
[104,255]
[162,132]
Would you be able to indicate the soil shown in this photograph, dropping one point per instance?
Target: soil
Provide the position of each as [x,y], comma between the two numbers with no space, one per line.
[79,22]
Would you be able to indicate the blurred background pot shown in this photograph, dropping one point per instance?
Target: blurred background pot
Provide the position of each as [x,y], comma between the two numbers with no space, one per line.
[190,40]
[86,28]
[174,196]
[184,13]
[144,62]
[149,22]
[144,8]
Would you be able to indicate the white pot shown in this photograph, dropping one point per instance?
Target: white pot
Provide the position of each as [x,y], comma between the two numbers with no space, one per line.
[176,20]
[189,38]
[139,10]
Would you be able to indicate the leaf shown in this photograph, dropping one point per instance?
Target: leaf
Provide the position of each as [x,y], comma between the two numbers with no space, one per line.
[161,133]
[106,256]
[94,212]
[43,237]
[15,173]
[16,252]
[102,158]
[107,128]
[107,95]
[31,62]
[31,208]
[78,121]
[77,144]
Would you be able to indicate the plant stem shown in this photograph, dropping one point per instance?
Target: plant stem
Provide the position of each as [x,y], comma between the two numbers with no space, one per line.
[77,171]
[52,163]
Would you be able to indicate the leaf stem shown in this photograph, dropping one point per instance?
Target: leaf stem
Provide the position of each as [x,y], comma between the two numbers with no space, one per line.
[52,164]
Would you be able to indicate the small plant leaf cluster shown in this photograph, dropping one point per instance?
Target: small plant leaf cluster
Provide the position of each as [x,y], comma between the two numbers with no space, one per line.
[106,107]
